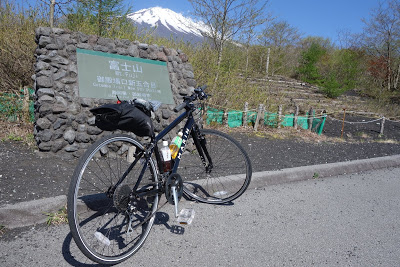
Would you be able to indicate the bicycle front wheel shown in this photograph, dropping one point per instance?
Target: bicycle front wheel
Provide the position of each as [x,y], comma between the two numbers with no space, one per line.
[229,175]
[106,222]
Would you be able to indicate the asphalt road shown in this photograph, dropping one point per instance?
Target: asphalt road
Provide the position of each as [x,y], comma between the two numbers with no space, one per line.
[348,220]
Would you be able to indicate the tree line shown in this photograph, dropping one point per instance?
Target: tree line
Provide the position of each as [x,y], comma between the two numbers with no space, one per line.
[245,41]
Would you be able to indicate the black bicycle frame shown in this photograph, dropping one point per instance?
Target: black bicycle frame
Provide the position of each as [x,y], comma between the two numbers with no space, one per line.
[154,149]
[187,130]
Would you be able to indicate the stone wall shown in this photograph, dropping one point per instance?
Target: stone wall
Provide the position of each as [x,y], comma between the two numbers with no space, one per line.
[64,124]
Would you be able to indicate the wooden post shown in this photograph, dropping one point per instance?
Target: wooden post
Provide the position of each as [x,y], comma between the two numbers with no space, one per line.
[382,125]
[344,115]
[310,118]
[262,119]
[279,116]
[259,114]
[225,118]
[246,109]
[204,113]
[296,114]
[25,105]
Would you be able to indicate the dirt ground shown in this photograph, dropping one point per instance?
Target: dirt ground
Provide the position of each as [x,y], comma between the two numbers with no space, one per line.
[26,174]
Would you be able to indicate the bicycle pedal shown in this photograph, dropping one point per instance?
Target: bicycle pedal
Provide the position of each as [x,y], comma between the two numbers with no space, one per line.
[186,216]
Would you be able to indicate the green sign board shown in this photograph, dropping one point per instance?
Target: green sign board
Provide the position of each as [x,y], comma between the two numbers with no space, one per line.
[106,76]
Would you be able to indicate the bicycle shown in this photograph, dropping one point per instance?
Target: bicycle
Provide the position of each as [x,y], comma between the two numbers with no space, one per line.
[116,187]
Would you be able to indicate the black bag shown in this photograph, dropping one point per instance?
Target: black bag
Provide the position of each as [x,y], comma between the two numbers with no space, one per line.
[124,116]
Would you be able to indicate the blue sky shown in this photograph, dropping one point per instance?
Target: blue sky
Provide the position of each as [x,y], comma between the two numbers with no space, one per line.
[312,17]
[324,18]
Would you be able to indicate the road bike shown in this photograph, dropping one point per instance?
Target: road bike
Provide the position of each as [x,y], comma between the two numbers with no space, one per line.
[116,187]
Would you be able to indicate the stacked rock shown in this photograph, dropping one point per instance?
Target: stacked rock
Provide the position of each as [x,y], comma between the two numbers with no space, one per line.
[63,122]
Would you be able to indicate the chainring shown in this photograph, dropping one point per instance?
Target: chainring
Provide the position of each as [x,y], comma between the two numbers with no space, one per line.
[173,180]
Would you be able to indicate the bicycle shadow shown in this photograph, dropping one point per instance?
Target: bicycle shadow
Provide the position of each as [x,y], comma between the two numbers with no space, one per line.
[74,256]
[162,218]
[190,199]
[197,189]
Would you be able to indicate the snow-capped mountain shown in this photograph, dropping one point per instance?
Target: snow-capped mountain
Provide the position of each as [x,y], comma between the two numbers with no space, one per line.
[168,23]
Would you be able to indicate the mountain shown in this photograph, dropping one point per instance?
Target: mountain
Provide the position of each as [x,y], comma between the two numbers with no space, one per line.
[167,23]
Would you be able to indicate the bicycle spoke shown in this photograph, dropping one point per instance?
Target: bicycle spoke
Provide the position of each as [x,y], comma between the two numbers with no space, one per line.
[99,217]
[230,173]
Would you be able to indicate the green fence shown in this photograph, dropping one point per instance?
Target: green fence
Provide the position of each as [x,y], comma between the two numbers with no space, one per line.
[214,116]
[11,105]
[235,119]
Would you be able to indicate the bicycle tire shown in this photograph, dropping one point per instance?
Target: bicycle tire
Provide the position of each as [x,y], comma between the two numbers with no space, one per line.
[229,177]
[99,223]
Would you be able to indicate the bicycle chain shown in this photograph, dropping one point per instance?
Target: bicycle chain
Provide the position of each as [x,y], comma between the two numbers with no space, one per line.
[167,201]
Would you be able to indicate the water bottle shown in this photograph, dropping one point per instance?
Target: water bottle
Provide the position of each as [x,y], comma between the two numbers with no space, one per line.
[176,145]
[166,156]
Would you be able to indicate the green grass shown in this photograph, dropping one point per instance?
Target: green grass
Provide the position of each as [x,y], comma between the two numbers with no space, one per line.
[57,218]
[13,137]
[17,132]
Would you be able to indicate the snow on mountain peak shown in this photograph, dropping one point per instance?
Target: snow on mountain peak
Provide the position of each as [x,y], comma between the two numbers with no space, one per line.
[174,22]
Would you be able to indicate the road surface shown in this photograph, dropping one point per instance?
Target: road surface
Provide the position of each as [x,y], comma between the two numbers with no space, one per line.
[348,220]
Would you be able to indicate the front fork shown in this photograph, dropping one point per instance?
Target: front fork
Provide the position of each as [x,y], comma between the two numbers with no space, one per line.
[200,142]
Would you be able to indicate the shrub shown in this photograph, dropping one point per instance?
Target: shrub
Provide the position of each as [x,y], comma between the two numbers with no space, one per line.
[17,46]
[308,70]
[331,87]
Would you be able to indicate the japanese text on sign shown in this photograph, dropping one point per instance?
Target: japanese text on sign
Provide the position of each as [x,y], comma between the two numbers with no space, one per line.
[103,75]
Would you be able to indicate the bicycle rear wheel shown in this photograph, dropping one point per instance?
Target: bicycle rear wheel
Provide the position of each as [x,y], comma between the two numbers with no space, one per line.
[108,226]
[230,174]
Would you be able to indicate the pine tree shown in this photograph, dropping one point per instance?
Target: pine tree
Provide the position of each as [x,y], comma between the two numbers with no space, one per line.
[98,15]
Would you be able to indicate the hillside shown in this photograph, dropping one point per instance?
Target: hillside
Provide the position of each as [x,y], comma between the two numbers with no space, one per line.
[289,92]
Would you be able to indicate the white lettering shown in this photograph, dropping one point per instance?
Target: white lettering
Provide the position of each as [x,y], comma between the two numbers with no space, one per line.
[114,92]
[184,140]
[100,79]
[126,67]
[114,65]
[138,68]
[101,85]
